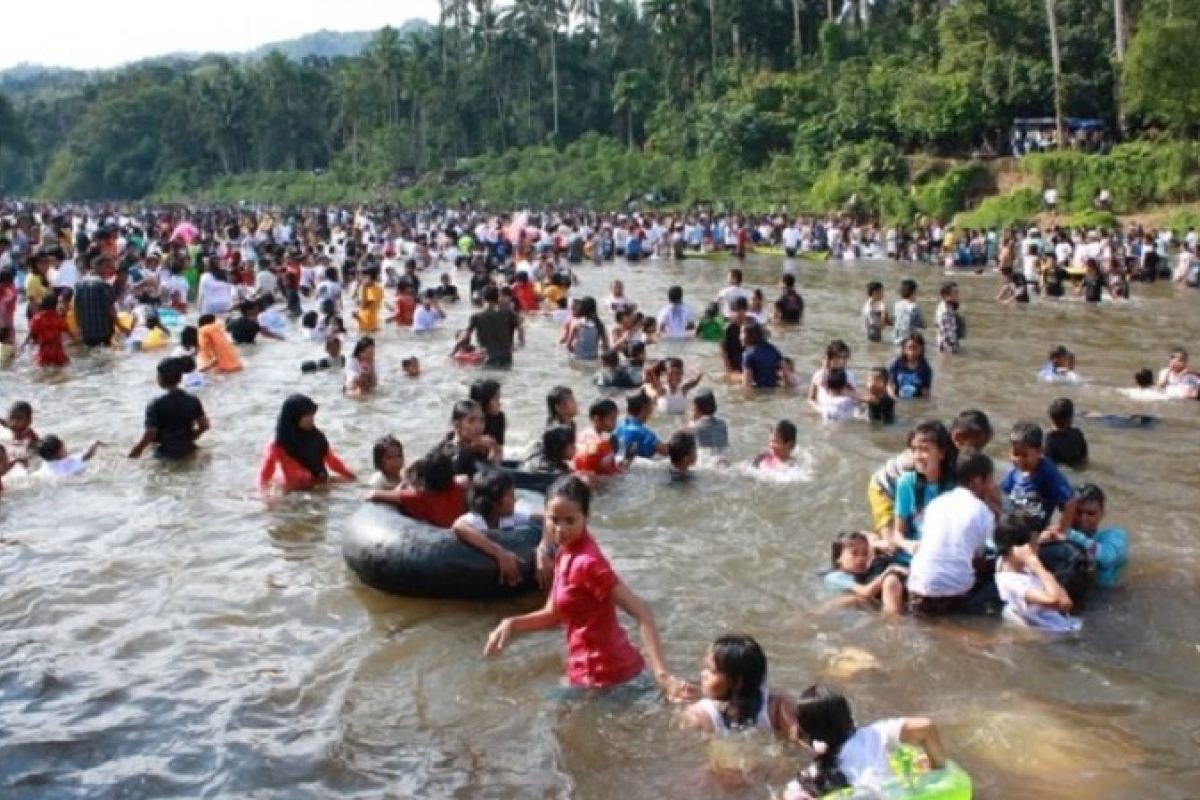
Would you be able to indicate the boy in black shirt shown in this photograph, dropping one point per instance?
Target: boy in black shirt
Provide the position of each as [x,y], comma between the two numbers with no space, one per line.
[175,420]
[1065,444]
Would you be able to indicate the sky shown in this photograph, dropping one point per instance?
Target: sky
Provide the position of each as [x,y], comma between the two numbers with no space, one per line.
[85,34]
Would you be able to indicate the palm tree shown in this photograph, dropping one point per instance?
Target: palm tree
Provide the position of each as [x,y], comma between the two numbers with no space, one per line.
[1056,67]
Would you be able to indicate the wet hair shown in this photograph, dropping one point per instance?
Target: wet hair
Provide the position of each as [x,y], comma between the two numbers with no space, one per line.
[873,287]
[972,464]
[837,348]
[380,448]
[840,543]
[435,472]
[637,403]
[1144,378]
[744,664]
[973,424]
[571,488]
[785,430]
[484,391]
[1028,434]
[488,489]
[823,715]
[49,447]
[1012,530]
[675,294]
[1090,493]
[681,445]
[603,408]
[361,346]
[554,398]
[20,408]
[908,287]
[463,409]
[705,402]
[205,319]
[556,440]
[1061,412]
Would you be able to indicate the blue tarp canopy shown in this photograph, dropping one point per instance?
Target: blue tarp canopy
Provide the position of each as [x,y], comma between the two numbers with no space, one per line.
[1072,123]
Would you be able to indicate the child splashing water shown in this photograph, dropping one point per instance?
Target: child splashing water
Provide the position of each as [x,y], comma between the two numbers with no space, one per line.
[780,446]
[584,599]
[845,755]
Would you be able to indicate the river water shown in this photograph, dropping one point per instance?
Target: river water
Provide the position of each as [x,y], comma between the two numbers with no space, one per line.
[166,633]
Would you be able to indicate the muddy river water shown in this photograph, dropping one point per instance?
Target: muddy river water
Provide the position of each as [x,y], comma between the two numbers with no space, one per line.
[166,633]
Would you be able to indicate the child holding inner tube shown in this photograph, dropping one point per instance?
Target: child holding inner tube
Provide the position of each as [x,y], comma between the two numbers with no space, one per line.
[584,599]
[493,506]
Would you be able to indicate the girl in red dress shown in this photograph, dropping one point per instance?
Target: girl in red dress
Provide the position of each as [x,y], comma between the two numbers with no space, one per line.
[300,451]
[47,329]
[584,599]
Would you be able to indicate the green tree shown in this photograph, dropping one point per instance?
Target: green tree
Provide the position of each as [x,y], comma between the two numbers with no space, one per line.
[1161,83]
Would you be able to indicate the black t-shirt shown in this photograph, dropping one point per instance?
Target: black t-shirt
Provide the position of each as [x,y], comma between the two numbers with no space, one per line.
[1093,289]
[731,345]
[882,410]
[173,416]
[242,329]
[495,329]
[1066,447]
[790,307]
[494,425]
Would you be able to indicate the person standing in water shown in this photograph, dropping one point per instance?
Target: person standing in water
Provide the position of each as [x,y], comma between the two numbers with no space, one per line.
[495,328]
[175,420]
[300,451]
[584,599]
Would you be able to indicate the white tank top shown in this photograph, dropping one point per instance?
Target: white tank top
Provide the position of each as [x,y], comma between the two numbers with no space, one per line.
[761,723]
[672,402]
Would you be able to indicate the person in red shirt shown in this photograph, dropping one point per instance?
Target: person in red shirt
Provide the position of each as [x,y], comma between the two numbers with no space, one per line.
[406,304]
[596,449]
[439,497]
[524,295]
[47,329]
[8,307]
[300,451]
[584,599]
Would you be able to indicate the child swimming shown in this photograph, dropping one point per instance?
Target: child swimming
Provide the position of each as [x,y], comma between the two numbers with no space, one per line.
[596,449]
[493,506]
[1034,485]
[666,386]
[1032,596]
[361,377]
[780,446]
[681,452]
[387,456]
[857,571]
[711,432]
[633,436]
[57,461]
[881,406]
[848,756]
[734,694]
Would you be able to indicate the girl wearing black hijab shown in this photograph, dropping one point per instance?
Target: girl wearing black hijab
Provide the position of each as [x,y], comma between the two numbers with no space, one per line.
[300,451]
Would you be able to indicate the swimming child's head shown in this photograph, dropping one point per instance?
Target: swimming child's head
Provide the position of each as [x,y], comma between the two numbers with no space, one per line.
[877,382]
[825,723]
[493,495]
[1059,357]
[783,439]
[1089,510]
[704,404]
[411,366]
[558,444]
[1062,413]
[486,392]
[913,348]
[933,451]
[1012,530]
[681,450]
[1143,378]
[971,428]
[333,347]
[734,671]
[908,288]
[561,405]
[467,420]
[837,354]
[638,406]
[851,552]
[603,414]
[364,349]
[387,454]
[20,416]
[568,502]
[51,448]
[1025,441]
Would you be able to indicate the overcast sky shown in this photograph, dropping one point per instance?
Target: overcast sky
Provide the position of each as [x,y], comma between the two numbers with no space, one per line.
[87,34]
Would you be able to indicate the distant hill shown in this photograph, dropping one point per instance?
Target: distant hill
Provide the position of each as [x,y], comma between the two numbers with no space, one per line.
[325,44]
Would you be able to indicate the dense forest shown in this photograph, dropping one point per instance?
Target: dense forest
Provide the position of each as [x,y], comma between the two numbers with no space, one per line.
[755,102]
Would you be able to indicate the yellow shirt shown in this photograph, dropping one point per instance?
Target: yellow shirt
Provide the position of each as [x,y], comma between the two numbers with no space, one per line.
[552,293]
[35,289]
[370,298]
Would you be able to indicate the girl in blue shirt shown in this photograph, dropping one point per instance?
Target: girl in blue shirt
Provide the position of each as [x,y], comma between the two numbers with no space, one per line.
[934,455]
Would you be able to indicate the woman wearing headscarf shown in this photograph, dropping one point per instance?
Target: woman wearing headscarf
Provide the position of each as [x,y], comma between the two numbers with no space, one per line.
[300,451]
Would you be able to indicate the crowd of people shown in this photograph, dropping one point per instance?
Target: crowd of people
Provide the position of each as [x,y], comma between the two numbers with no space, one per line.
[948,534]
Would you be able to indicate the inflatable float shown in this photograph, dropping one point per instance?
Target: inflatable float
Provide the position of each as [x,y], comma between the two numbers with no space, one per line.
[807,255]
[529,481]
[912,782]
[393,553]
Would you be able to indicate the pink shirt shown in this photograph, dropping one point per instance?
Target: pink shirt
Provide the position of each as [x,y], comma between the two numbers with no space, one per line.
[598,651]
